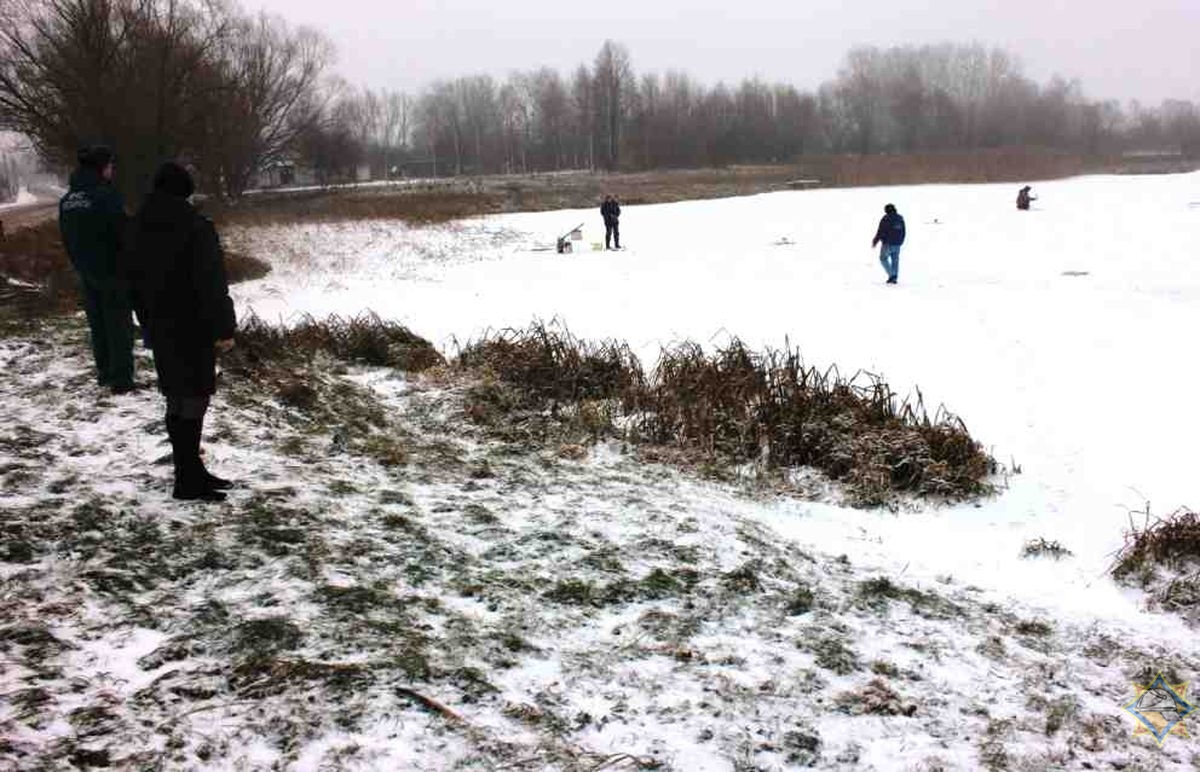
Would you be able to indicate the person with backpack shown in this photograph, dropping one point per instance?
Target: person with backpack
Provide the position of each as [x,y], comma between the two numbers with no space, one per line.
[91,220]
[891,234]
[178,274]
[610,210]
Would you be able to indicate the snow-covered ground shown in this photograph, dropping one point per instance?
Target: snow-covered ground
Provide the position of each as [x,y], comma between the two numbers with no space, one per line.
[1063,336]
[398,587]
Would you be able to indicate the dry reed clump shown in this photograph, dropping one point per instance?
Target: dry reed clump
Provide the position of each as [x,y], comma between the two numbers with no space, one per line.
[1172,542]
[738,406]
[748,406]
[364,339]
[549,365]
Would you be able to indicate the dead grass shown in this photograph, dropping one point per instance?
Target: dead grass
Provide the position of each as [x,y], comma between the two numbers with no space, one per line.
[736,406]
[1172,542]
[240,267]
[364,339]
[1163,558]
[1040,547]
[552,366]
[998,165]
[46,284]
[445,199]
[35,257]
[422,205]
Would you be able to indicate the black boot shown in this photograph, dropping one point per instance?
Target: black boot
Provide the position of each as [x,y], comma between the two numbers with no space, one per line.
[217,483]
[191,478]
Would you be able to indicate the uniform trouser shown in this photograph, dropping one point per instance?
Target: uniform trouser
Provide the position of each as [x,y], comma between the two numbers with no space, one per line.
[612,233]
[110,321]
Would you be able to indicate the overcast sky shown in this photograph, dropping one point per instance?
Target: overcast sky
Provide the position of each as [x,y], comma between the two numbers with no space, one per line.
[1123,49]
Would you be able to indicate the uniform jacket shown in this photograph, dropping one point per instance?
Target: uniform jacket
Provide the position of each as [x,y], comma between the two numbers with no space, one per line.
[91,218]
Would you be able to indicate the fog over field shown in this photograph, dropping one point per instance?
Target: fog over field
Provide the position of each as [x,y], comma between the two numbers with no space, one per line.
[1119,50]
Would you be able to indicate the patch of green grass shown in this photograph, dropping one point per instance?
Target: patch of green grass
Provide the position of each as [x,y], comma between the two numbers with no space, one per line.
[744,579]
[876,698]
[878,593]
[479,515]
[664,584]
[1040,547]
[258,638]
[30,704]
[1034,628]
[342,488]
[356,600]
[830,652]
[572,592]
[274,528]
[799,601]
[1060,712]
[993,751]
[390,496]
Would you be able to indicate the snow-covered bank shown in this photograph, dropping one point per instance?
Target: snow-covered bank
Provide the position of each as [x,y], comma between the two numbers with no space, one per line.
[398,588]
[1061,335]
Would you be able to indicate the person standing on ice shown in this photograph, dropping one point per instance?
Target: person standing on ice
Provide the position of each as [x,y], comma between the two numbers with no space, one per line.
[891,234]
[610,210]
[91,217]
[178,275]
[1024,199]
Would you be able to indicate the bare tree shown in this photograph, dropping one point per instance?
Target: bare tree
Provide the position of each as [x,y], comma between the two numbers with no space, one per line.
[156,79]
[583,118]
[552,118]
[613,77]
[269,76]
[397,111]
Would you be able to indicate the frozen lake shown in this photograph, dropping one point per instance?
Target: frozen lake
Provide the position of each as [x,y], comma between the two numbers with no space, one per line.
[1063,336]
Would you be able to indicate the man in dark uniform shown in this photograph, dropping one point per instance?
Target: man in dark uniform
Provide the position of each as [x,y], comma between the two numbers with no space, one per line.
[610,210]
[91,217]
[891,234]
[178,274]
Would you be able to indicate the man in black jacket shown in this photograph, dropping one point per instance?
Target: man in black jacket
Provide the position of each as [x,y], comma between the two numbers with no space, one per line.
[91,217]
[610,210]
[179,283]
[891,233]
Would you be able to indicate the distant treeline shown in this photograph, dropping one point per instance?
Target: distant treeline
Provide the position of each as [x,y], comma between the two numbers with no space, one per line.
[239,95]
[907,99]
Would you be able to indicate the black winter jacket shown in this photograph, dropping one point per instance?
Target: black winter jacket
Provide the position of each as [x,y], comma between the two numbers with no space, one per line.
[181,293]
[891,230]
[611,211]
[91,218]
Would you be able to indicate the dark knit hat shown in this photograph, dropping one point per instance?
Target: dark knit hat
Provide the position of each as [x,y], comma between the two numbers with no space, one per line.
[96,156]
[890,209]
[173,179]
